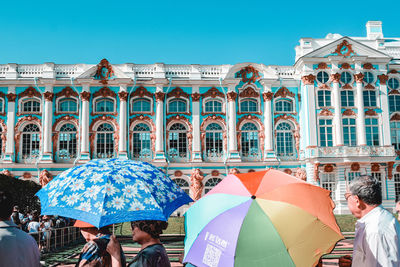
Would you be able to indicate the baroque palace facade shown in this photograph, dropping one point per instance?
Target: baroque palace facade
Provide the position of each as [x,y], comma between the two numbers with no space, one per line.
[333,115]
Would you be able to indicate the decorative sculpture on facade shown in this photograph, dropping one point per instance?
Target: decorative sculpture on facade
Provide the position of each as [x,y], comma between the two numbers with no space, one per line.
[301,174]
[234,171]
[248,74]
[104,71]
[196,186]
[45,177]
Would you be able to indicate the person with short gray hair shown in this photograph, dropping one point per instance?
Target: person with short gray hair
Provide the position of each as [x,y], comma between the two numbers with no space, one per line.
[376,241]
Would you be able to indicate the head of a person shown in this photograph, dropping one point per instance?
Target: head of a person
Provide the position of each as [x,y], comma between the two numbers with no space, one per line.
[6,205]
[35,216]
[148,229]
[89,232]
[16,208]
[363,192]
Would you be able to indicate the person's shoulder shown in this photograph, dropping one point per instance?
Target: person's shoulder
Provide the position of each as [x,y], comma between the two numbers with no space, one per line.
[152,250]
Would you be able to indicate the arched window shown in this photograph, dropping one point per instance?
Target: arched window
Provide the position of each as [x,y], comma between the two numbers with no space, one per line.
[141,105]
[183,184]
[249,142]
[248,105]
[345,77]
[67,105]
[104,105]
[347,98]
[394,103]
[67,145]
[31,105]
[322,77]
[284,105]
[104,141]
[141,142]
[213,106]
[284,140]
[214,142]
[349,132]
[324,98]
[176,106]
[395,133]
[30,142]
[177,140]
[369,98]
[210,183]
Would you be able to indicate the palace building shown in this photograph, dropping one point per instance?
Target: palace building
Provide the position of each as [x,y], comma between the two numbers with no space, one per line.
[333,115]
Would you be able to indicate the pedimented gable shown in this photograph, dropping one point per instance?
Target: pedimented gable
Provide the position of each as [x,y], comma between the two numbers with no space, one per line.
[346,47]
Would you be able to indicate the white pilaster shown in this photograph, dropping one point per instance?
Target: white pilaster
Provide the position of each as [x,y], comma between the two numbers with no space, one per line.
[85,98]
[123,95]
[160,98]
[196,149]
[310,120]
[267,96]
[232,146]
[361,137]
[385,114]
[337,118]
[47,125]
[9,153]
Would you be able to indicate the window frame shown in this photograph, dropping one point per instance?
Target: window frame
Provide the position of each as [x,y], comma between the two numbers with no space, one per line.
[287,133]
[31,157]
[218,146]
[133,100]
[373,77]
[324,96]
[105,133]
[180,156]
[347,91]
[250,155]
[29,99]
[396,103]
[351,142]
[395,137]
[350,75]
[372,131]
[100,98]
[250,100]
[210,99]
[284,99]
[60,127]
[177,100]
[369,99]
[60,100]
[391,79]
[141,133]
[326,126]
[321,81]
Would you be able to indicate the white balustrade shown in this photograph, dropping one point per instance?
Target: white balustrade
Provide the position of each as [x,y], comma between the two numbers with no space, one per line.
[66,70]
[29,71]
[3,70]
[144,71]
[177,71]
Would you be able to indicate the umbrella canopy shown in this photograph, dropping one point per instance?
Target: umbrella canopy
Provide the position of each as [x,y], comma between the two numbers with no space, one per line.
[265,218]
[103,192]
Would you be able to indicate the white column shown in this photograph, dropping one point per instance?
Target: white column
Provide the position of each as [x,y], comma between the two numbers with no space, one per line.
[85,97]
[269,149]
[385,110]
[337,118]
[196,149]
[310,120]
[10,150]
[160,95]
[232,146]
[123,96]
[47,125]
[361,137]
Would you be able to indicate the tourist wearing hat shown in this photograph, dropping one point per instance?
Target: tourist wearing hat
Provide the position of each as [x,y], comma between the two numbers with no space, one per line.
[94,252]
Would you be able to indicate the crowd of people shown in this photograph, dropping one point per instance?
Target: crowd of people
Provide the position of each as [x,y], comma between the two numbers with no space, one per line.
[376,241]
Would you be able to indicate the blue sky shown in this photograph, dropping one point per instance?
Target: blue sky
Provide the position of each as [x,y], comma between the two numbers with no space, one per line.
[178,32]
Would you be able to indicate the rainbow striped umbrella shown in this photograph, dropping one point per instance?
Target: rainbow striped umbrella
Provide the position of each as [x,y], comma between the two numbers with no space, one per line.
[266,218]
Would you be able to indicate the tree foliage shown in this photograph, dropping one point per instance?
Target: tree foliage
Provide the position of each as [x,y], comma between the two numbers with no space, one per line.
[23,192]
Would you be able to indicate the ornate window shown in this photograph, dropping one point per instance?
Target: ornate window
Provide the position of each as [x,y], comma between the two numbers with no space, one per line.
[30,105]
[213,106]
[1,105]
[141,142]
[183,184]
[394,103]
[177,140]
[214,142]
[284,105]
[322,77]
[353,175]
[67,105]
[104,141]
[347,98]
[349,132]
[248,105]
[369,98]
[324,98]
[67,143]
[372,130]
[346,77]
[104,105]
[397,185]
[249,142]
[210,183]
[325,132]
[328,181]
[284,140]
[395,133]
[368,77]
[141,105]
[30,145]
[393,83]
[177,106]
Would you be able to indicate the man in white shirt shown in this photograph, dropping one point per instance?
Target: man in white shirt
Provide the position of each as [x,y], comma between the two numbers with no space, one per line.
[17,248]
[376,241]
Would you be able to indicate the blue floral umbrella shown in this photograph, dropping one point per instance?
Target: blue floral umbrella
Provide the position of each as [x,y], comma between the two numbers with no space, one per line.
[103,192]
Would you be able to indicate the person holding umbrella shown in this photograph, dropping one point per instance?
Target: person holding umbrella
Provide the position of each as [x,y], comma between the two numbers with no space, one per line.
[147,234]
[94,253]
